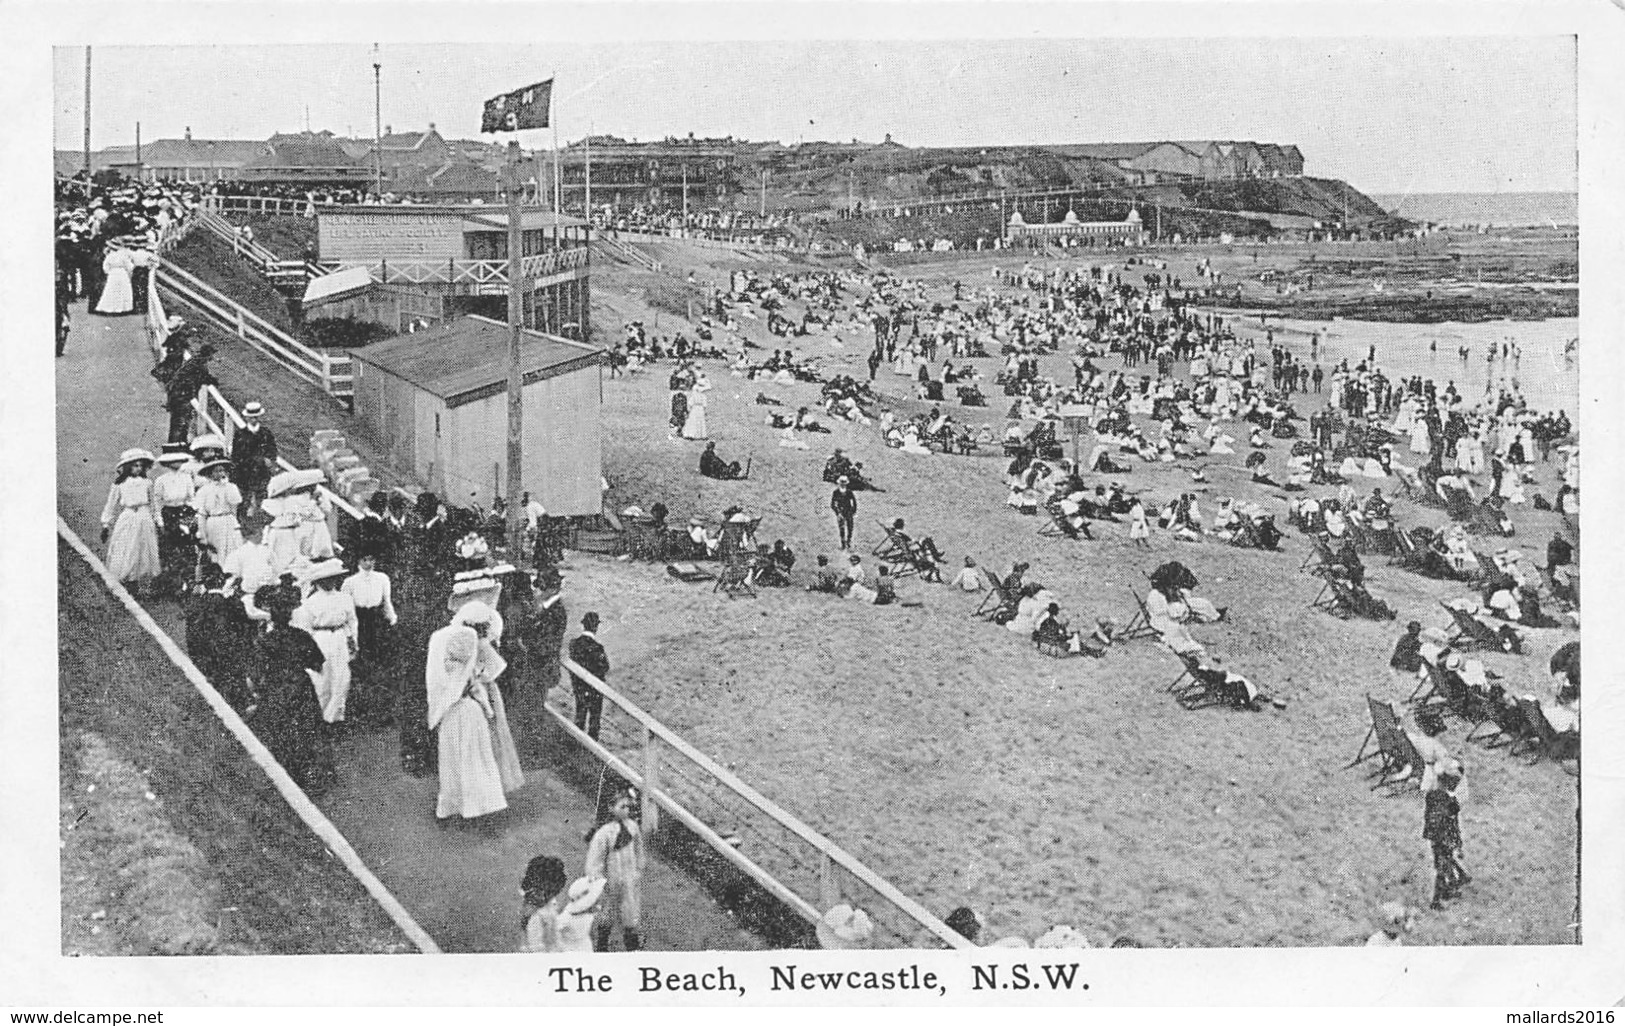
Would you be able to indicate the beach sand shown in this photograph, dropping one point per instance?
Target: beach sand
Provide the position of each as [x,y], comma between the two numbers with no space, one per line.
[967,768]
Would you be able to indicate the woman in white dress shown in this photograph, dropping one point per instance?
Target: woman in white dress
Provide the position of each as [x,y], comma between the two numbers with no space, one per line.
[695,427]
[117,296]
[216,502]
[328,614]
[130,520]
[478,763]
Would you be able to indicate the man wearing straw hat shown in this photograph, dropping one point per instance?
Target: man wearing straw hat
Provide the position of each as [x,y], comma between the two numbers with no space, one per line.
[253,456]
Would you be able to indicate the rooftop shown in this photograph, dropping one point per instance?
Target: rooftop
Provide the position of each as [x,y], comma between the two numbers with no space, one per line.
[467,359]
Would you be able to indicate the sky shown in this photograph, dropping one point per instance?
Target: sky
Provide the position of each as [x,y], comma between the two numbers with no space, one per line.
[1389,115]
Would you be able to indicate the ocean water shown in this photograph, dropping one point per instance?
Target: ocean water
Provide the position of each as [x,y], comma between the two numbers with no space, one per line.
[1498,209]
[1548,372]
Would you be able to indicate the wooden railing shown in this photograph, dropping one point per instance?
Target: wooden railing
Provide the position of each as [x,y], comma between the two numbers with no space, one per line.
[787,858]
[491,275]
[333,374]
[217,416]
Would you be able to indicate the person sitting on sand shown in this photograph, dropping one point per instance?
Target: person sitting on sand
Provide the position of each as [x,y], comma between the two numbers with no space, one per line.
[825,580]
[969,578]
[704,542]
[1052,630]
[713,466]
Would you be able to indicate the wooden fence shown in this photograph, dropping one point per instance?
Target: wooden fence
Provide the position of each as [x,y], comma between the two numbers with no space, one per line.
[802,868]
[333,374]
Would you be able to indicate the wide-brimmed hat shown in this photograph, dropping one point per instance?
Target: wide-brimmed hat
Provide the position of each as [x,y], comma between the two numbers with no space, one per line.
[293,480]
[134,456]
[174,458]
[253,409]
[325,569]
[583,895]
[202,442]
[212,464]
[844,927]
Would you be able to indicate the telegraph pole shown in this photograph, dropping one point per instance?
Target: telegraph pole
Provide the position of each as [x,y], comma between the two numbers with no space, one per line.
[587,147]
[764,192]
[138,175]
[377,126]
[87,121]
[516,377]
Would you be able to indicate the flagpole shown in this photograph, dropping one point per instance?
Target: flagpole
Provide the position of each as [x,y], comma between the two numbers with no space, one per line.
[587,143]
[558,175]
[516,380]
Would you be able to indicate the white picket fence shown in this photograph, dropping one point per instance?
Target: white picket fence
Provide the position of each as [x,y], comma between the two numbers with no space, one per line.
[333,374]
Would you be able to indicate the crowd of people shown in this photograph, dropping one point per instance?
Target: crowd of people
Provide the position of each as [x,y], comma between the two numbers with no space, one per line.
[305,634]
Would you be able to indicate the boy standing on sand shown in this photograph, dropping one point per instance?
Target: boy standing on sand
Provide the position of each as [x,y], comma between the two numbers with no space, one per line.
[1441,827]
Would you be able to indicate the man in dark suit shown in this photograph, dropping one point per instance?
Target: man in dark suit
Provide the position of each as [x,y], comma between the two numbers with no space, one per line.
[253,456]
[587,653]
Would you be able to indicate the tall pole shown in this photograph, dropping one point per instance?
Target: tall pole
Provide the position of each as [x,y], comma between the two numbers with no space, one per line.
[685,197]
[377,127]
[764,192]
[558,175]
[516,379]
[138,175]
[87,120]
[587,145]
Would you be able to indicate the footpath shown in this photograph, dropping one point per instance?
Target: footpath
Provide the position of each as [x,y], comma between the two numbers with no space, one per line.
[460,885]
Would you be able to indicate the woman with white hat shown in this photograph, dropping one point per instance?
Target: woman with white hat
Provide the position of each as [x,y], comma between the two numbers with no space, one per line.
[216,502]
[130,520]
[117,295]
[460,711]
[329,615]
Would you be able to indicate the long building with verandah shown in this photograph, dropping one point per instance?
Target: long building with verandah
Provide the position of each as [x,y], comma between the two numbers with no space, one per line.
[436,403]
[1069,231]
[463,250]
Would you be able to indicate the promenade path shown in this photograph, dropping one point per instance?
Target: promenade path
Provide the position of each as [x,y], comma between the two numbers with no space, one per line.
[461,885]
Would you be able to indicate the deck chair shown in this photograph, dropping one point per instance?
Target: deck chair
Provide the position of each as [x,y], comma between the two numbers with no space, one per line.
[689,573]
[916,560]
[1366,751]
[734,579]
[995,599]
[1202,687]
[1321,558]
[1468,632]
[643,541]
[1400,763]
[1057,526]
[1543,740]
[1247,536]
[1447,691]
[1404,547]
[1540,739]
[1139,625]
[1334,597]
[894,544]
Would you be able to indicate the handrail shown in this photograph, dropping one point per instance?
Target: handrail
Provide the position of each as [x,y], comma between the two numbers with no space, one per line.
[320,368]
[839,856]
[255,749]
[201,405]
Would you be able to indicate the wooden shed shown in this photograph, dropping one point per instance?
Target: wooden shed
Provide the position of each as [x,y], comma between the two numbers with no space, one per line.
[436,402]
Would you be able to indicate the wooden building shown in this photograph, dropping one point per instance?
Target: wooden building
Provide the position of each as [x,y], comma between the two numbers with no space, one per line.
[436,402]
[463,250]
[353,294]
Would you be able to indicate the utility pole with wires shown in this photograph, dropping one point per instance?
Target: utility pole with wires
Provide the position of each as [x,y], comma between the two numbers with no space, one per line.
[516,334]
[377,125]
[516,111]
[87,121]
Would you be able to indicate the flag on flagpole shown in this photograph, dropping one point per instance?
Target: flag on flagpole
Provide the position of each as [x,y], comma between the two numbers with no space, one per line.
[529,107]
